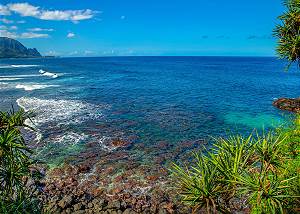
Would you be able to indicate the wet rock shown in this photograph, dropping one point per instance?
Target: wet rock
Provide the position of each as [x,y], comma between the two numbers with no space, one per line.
[162,211]
[79,212]
[129,211]
[114,205]
[78,206]
[97,192]
[120,143]
[152,177]
[90,205]
[83,168]
[288,104]
[66,201]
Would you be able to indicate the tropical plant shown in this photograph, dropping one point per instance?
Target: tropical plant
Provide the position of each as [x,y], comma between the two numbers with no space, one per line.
[266,192]
[256,168]
[288,32]
[198,185]
[15,165]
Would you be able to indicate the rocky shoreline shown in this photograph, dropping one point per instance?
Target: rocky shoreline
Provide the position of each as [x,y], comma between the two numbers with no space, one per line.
[61,192]
[116,182]
[113,182]
[288,104]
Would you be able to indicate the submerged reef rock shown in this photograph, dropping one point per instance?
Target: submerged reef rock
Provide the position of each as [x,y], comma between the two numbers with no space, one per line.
[288,104]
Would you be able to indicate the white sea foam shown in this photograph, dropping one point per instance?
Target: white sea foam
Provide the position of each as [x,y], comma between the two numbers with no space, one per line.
[48,74]
[58,112]
[69,138]
[3,85]
[20,76]
[9,78]
[31,87]
[17,66]
[23,66]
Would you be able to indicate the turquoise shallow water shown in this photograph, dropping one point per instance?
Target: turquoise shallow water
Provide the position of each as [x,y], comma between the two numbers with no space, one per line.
[89,102]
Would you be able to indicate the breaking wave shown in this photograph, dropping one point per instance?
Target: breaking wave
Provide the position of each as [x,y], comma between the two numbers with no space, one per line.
[9,78]
[48,74]
[31,87]
[17,66]
[58,112]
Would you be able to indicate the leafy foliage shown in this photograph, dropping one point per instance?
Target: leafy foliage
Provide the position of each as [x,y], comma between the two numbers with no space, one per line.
[260,169]
[288,32]
[15,165]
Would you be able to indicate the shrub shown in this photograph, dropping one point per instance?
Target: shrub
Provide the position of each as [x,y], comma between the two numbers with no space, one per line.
[261,169]
[288,32]
[15,166]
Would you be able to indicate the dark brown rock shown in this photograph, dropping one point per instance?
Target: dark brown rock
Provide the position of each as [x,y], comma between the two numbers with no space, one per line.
[288,104]
[65,202]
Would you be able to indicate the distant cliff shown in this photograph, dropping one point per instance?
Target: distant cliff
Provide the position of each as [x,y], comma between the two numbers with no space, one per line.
[11,48]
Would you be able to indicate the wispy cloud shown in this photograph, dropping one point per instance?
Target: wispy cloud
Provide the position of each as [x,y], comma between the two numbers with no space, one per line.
[70,35]
[31,35]
[5,33]
[6,21]
[37,29]
[259,37]
[13,27]
[25,35]
[88,52]
[26,9]
[4,11]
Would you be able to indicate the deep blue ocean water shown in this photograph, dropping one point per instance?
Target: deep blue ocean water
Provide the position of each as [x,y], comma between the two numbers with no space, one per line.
[143,100]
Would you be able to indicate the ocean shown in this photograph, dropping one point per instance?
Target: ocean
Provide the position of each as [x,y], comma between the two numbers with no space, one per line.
[148,109]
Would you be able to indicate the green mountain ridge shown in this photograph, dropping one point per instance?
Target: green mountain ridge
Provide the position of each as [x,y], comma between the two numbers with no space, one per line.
[11,48]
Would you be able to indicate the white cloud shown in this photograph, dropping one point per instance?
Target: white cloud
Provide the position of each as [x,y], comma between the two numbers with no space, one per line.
[5,33]
[4,11]
[31,35]
[26,9]
[73,53]
[25,35]
[13,27]
[52,53]
[3,27]
[37,29]
[70,35]
[6,21]
[87,52]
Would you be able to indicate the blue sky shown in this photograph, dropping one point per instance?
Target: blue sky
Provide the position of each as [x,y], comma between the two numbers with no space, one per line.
[143,27]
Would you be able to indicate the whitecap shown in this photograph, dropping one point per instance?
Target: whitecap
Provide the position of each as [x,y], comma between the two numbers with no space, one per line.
[58,112]
[23,66]
[48,74]
[69,138]
[31,87]
[20,76]
[9,78]
[17,66]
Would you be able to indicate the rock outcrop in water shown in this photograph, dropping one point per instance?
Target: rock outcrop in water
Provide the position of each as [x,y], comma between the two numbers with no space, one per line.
[11,48]
[288,104]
